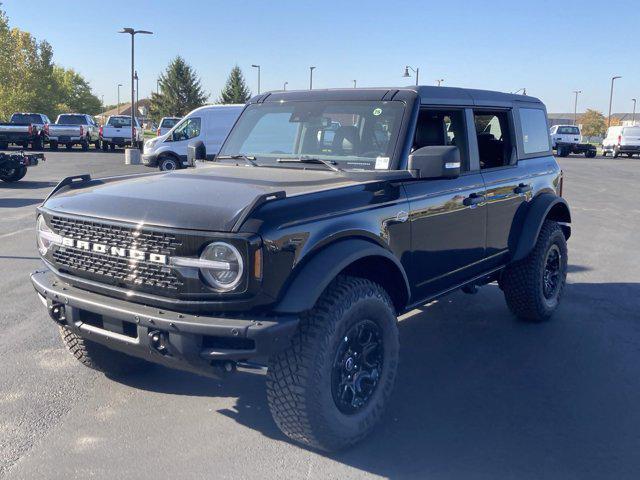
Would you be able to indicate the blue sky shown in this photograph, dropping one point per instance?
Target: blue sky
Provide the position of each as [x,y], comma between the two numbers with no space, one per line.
[549,47]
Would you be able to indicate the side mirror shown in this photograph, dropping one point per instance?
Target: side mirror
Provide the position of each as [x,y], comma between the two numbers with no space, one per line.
[435,162]
[196,151]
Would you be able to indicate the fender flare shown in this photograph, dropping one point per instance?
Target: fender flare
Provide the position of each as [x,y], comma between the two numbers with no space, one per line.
[544,206]
[313,277]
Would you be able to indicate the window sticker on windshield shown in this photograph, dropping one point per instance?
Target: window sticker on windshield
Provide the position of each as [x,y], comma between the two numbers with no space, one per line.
[382,163]
[377,111]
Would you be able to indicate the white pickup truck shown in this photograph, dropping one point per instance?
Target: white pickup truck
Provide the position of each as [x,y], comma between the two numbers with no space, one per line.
[73,129]
[117,133]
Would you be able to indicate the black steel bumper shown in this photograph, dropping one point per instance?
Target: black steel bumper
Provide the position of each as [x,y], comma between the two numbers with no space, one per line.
[197,343]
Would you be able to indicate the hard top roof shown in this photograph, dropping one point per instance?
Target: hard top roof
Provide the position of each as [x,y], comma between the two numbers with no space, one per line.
[429,95]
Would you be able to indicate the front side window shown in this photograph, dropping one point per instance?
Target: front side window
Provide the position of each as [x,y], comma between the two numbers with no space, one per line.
[189,128]
[534,130]
[442,128]
[358,135]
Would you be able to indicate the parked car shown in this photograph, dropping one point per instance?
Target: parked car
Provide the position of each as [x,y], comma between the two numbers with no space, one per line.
[567,139]
[117,133]
[286,254]
[166,124]
[13,166]
[209,124]
[24,129]
[73,129]
[621,140]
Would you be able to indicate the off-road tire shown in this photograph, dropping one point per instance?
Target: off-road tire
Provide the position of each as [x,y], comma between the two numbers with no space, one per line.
[616,153]
[15,175]
[522,281]
[299,379]
[105,146]
[85,146]
[37,144]
[590,153]
[99,357]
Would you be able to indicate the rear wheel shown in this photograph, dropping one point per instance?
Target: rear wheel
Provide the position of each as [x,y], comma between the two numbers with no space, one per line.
[4,145]
[590,153]
[53,145]
[96,144]
[533,286]
[37,144]
[13,175]
[25,145]
[105,146]
[616,152]
[112,147]
[629,155]
[329,388]
[99,357]
[85,146]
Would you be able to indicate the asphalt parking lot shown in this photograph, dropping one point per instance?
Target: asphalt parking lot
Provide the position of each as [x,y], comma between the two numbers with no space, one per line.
[479,394]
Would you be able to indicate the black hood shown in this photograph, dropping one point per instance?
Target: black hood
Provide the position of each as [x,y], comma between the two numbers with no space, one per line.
[209,198]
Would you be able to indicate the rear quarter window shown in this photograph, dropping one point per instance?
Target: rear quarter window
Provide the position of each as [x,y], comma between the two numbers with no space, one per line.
[535,136]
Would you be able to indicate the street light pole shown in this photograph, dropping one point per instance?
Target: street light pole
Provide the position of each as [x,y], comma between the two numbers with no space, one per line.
[440,80]
[258,67]
[158,86]
[284,87]
[415,70]
[135,75]
[133,33]
[611,98]
[575,107]
[311,69]
[633,115]
[119,85]
[355,84]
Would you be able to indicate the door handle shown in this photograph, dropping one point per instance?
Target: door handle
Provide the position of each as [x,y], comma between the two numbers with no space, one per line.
[522,188]
[473,199]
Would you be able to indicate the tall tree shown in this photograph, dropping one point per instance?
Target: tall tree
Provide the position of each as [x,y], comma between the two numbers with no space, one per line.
[180,91]
[593,123]
[235,90]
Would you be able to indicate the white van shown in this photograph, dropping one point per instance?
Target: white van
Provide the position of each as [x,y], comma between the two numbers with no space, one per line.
[621,140]
[210,124]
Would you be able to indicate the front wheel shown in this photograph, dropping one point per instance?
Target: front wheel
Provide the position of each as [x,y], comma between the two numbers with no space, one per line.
[99,357]
[14,174]
[533,286]
[167,164]
[616,153]
[329,388]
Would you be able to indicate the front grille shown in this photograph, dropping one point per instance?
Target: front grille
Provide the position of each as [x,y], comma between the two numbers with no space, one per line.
[115,270]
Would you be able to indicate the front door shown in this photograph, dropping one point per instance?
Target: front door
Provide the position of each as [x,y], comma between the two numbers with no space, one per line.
[448,216]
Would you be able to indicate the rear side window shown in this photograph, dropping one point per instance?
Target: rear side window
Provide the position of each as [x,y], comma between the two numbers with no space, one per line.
[119,122]
[169,122]
[535,136]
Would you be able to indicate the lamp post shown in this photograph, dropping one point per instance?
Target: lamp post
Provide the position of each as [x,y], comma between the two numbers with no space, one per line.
[355,84]
[439,81]
[523,90]
[158,86]
[575,106]
[414,70]
[258,67]
[633,115]
[135,75]
[611,98]
[284,87]
[133,33]
[119,85]
[311,69]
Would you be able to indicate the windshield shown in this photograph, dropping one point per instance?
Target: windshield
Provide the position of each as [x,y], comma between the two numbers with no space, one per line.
[568,131]
[71,120]
[25,118]
[119,122]
[357,135]
[169,122]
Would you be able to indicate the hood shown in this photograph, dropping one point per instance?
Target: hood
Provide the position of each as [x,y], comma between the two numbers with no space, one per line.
[209,198]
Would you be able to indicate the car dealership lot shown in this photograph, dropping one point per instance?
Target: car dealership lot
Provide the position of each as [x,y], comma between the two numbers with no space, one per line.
[479,394]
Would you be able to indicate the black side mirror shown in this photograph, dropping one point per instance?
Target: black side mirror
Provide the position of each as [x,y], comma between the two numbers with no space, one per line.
[196,151]
[435,162]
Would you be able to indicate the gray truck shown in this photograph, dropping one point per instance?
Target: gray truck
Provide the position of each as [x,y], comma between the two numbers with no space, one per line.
[73,129]
[24,129]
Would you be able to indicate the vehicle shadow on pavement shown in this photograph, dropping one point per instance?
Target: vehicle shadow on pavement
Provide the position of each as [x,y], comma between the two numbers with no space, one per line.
[19,202]
[483,395]
[27,184]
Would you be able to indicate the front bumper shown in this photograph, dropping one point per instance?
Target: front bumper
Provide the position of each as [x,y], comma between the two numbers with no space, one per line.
[150,159]
[179,340]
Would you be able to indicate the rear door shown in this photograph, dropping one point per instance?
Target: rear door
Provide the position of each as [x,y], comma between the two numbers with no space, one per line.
[630,137]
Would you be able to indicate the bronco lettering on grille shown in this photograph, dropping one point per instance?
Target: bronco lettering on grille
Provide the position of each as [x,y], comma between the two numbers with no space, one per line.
[133,254]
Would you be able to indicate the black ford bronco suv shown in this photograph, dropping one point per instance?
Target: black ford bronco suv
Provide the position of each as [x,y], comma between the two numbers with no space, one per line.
[325,215]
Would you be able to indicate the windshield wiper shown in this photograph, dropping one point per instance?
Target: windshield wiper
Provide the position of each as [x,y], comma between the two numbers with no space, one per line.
[328,163]
[250,160]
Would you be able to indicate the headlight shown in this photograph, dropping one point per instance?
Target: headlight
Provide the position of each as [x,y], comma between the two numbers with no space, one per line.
[220,264]
[45,236]
[226,266]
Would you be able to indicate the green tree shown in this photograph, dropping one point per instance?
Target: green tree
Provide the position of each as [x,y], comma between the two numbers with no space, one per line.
[235,90]
[593,123]
[180,91]
[74,93]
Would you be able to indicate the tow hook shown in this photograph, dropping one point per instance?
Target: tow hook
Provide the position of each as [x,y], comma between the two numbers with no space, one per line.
[159,342]
[57,313]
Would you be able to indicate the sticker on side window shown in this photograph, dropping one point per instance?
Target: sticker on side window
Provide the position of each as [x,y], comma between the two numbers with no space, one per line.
[377,111]
[382,163]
